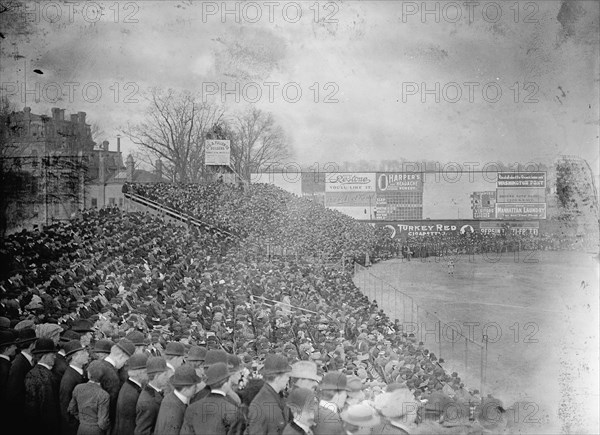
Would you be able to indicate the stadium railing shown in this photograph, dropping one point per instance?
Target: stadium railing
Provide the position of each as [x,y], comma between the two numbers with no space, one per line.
[460,353]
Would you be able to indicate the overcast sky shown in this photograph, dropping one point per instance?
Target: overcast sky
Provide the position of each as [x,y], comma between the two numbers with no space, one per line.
[371,65]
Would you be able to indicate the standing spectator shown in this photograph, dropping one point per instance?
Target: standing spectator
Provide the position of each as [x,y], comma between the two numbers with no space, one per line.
[303,407]
[268,412]
[41,392]
[217,413]
[83,327]
[7,350]
[173,406]
[77,356]
[90,403]
[333,398]
[119,354]
[15,387]
[304,375]
[129,394]
[151,397]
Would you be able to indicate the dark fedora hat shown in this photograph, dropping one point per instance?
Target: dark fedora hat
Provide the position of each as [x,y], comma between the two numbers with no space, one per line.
[216,373]
[82,326]
[184,376]
[7,338]
[72,346]
[69,335]
[276,365]
[26,336]
[43,346]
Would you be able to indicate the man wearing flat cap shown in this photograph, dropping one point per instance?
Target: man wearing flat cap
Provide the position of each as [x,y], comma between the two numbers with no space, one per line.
[41,392]
[21,365]
[268,412]
[333,397]
[217,413]
[148,404]
[129,394]
[77,357]
[174,405]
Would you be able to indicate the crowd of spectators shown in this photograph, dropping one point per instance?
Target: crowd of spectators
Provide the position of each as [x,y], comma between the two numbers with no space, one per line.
[182,287]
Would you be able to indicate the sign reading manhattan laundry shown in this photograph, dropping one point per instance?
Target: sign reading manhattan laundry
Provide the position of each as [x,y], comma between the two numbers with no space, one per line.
[521,211]
[521,179]
[217,152]
[349,182]
[400,181]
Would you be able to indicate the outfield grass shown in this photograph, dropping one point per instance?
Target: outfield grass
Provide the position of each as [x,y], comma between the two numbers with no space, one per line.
[542,323]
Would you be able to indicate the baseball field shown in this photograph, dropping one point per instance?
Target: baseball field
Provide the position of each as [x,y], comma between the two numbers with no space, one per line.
[539,312]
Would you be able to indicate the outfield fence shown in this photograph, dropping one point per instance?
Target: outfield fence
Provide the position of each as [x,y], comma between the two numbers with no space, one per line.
[465,355]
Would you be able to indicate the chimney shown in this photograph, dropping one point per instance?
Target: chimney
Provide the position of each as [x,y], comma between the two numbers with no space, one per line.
[81,117]
[129,164]
[101,169]
[55,113]
[159,169]
[27,110]
[73,117]
[105,145]
[61,114]
[118,143]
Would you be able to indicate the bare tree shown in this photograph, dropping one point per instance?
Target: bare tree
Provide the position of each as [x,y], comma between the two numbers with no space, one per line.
[256,141]
[175,131]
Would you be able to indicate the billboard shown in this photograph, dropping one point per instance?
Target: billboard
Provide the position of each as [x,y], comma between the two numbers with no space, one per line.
[520,211]
[514,227]
[217,152]
[521,179]
[399,181]
[484,204]
[350,199]
[349,182]
[521,194]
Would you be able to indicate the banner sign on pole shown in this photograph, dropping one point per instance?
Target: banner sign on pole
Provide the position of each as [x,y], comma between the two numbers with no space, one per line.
[217,153]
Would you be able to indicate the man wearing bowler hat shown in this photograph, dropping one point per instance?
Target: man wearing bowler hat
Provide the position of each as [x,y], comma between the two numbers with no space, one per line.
[333,397]
[42,415]
[129,394]
[148,404]
[217,413]
[268,412]
[174,405]
[21,365]
[76,356]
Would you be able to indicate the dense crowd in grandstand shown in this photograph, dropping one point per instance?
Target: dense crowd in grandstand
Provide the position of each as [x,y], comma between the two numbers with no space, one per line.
[194,331]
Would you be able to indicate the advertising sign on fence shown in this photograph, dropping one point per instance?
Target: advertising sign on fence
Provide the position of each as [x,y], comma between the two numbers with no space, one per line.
[349,182]
[399,181]
[217,152]
[521,179]
[350,199]
[521,211]
[483,204]
[522,195]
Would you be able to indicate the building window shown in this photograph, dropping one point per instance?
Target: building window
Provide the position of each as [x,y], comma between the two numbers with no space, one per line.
[94,203]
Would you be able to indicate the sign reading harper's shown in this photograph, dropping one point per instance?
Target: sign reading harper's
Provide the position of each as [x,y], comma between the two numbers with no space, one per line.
[349,182]
[399,181]
[521,179]
[217,152]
